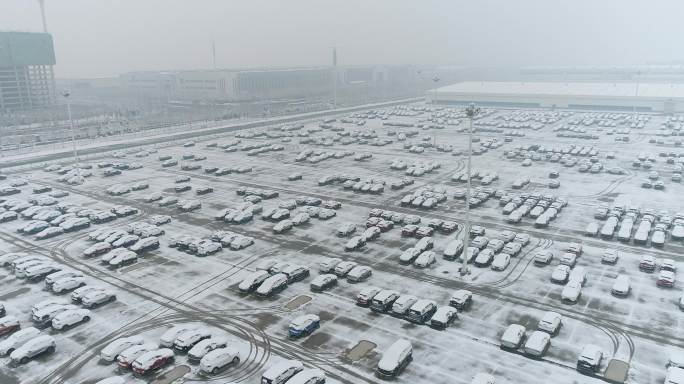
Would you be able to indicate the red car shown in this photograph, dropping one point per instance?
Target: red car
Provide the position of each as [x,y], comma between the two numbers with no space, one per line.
[666,279]
[152,360]
[8,325]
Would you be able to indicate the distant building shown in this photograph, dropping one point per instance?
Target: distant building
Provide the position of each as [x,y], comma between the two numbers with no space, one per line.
[235,85]
[618,96]
[27,78]
[658,73]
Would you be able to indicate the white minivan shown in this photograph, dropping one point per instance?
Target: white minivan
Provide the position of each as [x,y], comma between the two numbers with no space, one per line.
[395,358]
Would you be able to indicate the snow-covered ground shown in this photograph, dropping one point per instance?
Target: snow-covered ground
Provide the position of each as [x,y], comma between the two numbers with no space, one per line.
[169,287]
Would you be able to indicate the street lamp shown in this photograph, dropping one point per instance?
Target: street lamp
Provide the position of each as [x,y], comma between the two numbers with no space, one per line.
[66,95]
[471,111]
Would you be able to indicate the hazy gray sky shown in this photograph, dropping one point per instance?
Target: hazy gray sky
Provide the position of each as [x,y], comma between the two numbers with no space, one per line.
[96,38]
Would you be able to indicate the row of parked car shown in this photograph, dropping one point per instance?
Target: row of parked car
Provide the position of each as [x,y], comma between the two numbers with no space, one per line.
[413,309]
[49,221]
[272,277]
[213,353]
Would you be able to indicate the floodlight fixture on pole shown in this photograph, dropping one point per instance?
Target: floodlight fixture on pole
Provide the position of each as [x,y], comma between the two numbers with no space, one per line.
[471,111]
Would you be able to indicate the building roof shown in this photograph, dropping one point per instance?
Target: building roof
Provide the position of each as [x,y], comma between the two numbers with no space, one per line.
[585,89]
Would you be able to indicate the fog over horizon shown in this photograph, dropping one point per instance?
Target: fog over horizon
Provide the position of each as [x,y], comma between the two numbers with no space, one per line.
[100,39]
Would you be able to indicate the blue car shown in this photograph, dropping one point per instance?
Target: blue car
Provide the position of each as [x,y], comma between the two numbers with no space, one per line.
[304,325]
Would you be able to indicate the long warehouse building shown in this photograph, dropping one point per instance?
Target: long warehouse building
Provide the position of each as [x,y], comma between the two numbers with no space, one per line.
[644,97]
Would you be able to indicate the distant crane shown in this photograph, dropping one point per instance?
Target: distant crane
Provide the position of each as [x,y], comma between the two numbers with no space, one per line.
[42,14]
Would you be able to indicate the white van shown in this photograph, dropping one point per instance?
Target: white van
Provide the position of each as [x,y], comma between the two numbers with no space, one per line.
[537,344]
[281,372]
[513,337]
[395,358]
[589,361]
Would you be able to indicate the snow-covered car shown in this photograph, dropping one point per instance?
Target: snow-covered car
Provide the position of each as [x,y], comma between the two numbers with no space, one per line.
[78,293]
[571,292]
[187,339]
[49,232]
[70,318]
[551,323]
[202,348]
[33,227]
[145,244]
[666,279]
[355,243]
[8,216]
[300,218]
[343,268]
[365,296]
[159,219]
[74,224]
[39,271]
[484,258]
[123,258]
[501,262]
[323,282]
[461,299]
[561,274]
[283,226]
[569,259]
[272,285]
[513,337]
[359,273]
[537,344]
[113,349]
[328,265]
[126,357]
[152,361]
[170,335]
[443,317]
[68,283]
[97,249]
[8,324]
[96,298]
[32,348]
[252,281]
[208,248]
[125,241]
[17,339]
[425,259]
[241,242]
[218,359]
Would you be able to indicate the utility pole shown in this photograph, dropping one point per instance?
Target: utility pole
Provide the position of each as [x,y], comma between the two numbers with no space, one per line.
[213,52]
[334,64]
[636,97]
[471,111]
[66,95]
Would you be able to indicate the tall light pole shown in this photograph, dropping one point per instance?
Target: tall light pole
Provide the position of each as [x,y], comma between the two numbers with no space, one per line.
[42,14]
[334,70]
[636,97]
[66,95]
[471,111]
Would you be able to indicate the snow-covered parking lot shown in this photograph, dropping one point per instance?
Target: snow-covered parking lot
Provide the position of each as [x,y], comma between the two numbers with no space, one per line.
[219,209]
